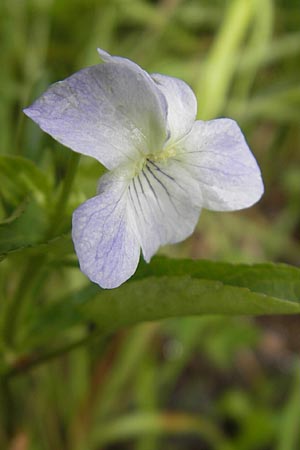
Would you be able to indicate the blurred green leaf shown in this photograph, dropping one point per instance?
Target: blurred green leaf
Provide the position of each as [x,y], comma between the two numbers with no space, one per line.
[288,432]
[25,195]
[23,230]
[167,423]
[17,212]
[20,177]
[221,63]
[27,200]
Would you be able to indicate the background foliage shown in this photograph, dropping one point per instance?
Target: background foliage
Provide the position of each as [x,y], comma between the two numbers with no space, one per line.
[74,375]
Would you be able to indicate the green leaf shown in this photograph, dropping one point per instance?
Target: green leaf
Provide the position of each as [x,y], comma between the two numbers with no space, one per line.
[17,212]
[174,288]
[20,177]
[57,248]
[167,423]
[25,230]
[278,280]
[25,198]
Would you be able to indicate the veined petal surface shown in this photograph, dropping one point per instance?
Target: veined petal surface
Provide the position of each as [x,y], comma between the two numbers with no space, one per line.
[218,156]
[182,105]
[112,112]
[165,202]
[103,236]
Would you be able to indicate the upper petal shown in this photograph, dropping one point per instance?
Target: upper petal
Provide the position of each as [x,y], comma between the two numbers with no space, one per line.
[218,156]
[182,105]
[104,240]
[108,58]
[165,202]
[112,112]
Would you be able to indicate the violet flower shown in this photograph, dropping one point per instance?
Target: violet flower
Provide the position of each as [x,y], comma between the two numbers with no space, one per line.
[164,166]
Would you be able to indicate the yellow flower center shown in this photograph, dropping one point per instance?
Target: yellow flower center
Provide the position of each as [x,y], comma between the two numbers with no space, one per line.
[157,157]
[162,156]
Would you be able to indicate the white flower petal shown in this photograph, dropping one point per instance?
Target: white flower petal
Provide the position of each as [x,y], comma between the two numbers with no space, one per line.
[165,202]
[112,112]
[218,156]
[182,105]
[108,58]
[106,246]
[105,56]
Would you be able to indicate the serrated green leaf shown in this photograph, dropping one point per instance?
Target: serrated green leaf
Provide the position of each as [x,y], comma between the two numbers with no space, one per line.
[57,248]
[175,288]
[278,280]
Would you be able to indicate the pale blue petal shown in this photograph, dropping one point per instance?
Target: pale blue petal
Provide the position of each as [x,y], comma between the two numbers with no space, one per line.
[112,112]
[103,236]
[218,156]
[182,105]
[165,201]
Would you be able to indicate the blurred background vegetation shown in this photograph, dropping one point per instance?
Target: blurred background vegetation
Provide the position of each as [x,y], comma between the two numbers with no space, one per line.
[195,383]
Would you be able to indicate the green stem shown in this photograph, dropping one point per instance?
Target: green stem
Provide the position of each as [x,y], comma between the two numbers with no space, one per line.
[7,407]
[17,303]
[24,364]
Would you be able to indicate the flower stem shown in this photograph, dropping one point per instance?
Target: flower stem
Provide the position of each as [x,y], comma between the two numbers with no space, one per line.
[64,195]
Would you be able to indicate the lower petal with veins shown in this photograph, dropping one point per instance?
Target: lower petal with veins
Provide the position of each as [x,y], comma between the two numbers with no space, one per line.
[103,236]
[165,202]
